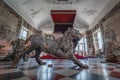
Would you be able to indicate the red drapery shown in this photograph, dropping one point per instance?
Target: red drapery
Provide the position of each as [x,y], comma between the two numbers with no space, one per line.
[63,19]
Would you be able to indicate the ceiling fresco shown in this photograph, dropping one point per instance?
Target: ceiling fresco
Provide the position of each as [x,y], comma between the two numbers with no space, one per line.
[38,12]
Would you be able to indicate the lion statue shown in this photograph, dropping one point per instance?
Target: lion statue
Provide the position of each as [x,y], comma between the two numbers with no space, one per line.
[61,47]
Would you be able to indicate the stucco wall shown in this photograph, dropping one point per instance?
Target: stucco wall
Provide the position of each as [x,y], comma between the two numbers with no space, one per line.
[112,24]
[7,18]
[8,24]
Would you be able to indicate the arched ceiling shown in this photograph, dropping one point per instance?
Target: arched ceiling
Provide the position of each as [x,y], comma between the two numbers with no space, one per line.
[38,12]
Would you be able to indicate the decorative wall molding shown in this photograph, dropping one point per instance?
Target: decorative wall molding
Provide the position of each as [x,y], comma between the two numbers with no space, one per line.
[115,10]
[104,12]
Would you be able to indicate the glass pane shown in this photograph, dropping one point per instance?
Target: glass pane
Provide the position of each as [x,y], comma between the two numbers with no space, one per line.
[100,42]
[24,33]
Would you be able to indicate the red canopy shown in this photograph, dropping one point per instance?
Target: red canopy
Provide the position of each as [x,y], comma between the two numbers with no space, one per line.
[63,16]
[63,19]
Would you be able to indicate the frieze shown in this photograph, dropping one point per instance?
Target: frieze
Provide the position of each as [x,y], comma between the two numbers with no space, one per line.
[115,10]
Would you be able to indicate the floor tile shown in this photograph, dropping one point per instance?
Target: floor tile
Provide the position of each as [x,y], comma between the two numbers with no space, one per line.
[45,76]
[30,72]
[112,78]
[66,72]
[4,71]
[33,77]
[67,78]
[22,78]
[115,74]
[55,76]
[29,68]
[61,69]
[85,75]
[13,75]
[102,71]
[117,70]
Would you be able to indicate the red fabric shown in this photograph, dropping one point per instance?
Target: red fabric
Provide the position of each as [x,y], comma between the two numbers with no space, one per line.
[63,19]
[52,57]
[63,16]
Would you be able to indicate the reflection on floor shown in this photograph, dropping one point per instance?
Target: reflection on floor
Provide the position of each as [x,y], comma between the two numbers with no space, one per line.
[60,69]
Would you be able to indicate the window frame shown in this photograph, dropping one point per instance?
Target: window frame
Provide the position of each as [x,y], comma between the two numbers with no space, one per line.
[22,34]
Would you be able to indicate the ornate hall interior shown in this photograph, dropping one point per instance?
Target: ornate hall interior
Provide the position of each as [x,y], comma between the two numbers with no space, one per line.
[59,39]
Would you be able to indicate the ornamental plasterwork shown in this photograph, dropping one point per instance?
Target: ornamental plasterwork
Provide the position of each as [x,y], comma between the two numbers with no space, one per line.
[89,12]
[66,1]
[33,11]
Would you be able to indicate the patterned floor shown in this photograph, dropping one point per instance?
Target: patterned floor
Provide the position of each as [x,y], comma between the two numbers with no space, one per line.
[60,69]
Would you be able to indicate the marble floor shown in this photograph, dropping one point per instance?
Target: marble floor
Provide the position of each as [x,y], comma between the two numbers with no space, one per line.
[60,69]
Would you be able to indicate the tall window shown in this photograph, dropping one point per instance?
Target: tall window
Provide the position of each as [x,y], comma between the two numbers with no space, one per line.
[82,46]
[100,42]
[23,33]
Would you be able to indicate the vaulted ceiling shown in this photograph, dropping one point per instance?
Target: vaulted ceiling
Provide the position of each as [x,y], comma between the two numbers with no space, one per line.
[38,12]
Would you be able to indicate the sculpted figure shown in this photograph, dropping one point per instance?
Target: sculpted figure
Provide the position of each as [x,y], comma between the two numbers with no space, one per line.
[61,47]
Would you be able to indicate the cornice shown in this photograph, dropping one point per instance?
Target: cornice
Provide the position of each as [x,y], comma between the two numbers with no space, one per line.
[108,8]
